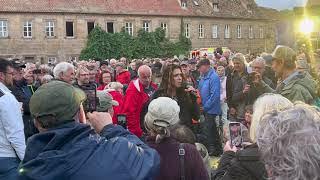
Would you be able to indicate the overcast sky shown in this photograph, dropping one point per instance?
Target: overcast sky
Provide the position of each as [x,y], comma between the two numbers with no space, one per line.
[281,4]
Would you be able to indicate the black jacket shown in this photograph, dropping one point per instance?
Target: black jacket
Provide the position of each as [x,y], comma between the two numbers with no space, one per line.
[189,109]
[243,165]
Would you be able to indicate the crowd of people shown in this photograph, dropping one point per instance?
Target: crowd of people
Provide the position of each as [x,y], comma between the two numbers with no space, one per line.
[161,118]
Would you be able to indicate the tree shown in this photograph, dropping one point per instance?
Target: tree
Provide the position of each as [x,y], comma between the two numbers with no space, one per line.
[103,45]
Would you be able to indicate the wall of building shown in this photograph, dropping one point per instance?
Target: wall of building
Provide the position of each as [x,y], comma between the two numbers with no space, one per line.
[40,48]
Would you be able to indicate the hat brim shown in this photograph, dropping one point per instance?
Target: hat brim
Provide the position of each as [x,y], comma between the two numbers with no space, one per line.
[114,103]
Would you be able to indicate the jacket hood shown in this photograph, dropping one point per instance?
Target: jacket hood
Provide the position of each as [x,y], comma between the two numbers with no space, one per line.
[305,80]
[55,154]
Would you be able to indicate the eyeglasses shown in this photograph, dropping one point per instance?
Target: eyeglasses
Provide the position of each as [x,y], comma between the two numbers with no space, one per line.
[84,74]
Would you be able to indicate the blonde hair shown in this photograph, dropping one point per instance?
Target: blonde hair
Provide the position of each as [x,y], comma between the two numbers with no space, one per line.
[81,68]
[114,85]
[265,104]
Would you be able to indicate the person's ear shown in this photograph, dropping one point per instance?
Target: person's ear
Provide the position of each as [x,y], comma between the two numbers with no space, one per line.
[38,125]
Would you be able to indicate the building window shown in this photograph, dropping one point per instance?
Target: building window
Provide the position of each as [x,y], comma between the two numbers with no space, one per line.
[69,29]
[90,26]
[250,32]
[201,33]
[215,7]
[27,29]
[49,29]
[110,27]
[129,28]
[226,31]
[184,4]
[3,29]
[146,26]
[261,33]
[187,30]
[214,31]
[164,26]
[238,31]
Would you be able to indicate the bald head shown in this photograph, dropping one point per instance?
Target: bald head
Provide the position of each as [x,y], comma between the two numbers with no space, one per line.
[145,73]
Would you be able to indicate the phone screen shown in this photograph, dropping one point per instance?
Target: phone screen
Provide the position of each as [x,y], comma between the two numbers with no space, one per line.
[122,120]
[235,134]
[90,104]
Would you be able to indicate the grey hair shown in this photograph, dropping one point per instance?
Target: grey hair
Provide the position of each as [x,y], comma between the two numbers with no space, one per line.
[47,78]
[115,86]
[264,104]
[259,60]
[143,67]
[289,142]
[240,57]
[62,67]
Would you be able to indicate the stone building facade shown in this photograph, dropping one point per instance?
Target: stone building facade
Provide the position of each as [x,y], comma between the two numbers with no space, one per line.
[55,30]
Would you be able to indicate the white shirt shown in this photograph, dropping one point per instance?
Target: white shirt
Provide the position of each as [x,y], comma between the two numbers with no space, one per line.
[12,139]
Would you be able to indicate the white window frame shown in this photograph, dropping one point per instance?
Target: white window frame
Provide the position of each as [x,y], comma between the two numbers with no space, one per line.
[261,33]
[201,31]
[4,29]
[26,26]
[239,35]
[187,30]
[52,60]
[215,31]
[227,31]
[146,26]
[129,28]
[250,32]
[164,26]
[49,29]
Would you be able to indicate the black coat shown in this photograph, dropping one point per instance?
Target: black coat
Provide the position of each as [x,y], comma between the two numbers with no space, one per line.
[243,165]
[189,109]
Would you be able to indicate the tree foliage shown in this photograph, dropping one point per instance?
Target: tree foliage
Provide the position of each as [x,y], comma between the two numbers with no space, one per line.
[103,45]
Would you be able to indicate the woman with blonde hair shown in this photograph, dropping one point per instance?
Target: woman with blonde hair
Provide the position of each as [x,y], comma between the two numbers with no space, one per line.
[245,164]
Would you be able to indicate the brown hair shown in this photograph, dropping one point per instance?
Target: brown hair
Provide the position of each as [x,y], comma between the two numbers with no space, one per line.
[101,75]
[167,79]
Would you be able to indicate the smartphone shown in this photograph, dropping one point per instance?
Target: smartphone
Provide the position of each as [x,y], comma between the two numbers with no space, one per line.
[235,134]
[90,104]
[122,120]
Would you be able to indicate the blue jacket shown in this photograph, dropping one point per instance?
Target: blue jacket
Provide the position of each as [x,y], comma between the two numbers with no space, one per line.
[209,87]
[74,152]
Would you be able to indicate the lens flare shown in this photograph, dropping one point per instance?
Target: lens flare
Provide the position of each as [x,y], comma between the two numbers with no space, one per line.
[306,26]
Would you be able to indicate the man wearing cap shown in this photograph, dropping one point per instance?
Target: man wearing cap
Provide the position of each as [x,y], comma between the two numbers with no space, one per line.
[12,140]
[106,102]
[123,75]
[186,71]
[67,149]
[209,87]
[295,85]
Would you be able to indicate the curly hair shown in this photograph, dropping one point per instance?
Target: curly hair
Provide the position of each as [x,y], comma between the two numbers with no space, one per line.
[167,78]
[289,142]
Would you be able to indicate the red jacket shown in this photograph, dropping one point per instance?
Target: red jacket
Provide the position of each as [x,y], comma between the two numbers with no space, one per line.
[124,77]
[117,96]
[133,103]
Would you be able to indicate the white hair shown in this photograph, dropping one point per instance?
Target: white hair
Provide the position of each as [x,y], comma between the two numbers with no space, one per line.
[259,60]
[144,67]
[115,85]
[113,61]
[264,104]
[289,142]
[62,67]
[47,78]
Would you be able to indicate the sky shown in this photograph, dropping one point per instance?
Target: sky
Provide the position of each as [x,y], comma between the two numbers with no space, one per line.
[281,4]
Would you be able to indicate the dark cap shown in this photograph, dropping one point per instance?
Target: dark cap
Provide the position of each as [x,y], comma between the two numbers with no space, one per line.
[285,53]
[268,59]
[192,61]
[17,63]
[56,99]
[203,62]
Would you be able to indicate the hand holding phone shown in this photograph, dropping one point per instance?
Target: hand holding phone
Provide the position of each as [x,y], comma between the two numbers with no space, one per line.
[235,134]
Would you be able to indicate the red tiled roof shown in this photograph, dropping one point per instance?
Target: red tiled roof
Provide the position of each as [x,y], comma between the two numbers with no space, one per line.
[130,7]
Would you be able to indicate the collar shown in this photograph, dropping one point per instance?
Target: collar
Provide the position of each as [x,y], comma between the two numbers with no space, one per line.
[290,77]
[3,87]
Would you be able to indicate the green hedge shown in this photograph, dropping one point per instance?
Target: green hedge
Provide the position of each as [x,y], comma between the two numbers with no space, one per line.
[103,45]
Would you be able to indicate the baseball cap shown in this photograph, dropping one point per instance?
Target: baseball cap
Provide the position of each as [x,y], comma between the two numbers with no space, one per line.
[17,63]
[121,64]
[105,101]
[184,63]
[192,61]
[285,53]
[163,111]
[56,99]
